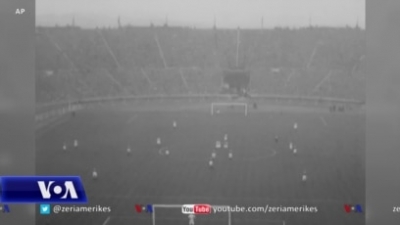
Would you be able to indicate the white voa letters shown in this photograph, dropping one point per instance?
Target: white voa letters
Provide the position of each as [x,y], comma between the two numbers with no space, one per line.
[68,189]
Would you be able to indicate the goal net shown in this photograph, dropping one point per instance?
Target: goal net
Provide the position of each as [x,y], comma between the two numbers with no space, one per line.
[229,107]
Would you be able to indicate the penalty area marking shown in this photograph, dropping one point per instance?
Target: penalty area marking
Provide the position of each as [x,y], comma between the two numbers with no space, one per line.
[106,221]
[323,121]
[272,153]
[257,158]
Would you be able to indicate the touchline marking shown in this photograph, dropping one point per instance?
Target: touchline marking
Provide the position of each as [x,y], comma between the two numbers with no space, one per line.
[106,221]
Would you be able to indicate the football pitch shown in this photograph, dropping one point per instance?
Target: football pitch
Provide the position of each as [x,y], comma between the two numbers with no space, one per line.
[263,170]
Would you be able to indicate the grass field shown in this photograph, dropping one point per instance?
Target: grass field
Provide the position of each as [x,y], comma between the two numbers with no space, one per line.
[330,150]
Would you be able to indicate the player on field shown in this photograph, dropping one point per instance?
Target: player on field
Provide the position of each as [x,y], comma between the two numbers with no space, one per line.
[226,144]
[230,154]
[191,219]
[94,174]
[211,163]
[213,155]
[217,144]
[158,141]
[304,177]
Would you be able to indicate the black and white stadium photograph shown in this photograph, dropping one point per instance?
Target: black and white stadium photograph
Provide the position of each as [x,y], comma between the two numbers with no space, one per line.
[211,112]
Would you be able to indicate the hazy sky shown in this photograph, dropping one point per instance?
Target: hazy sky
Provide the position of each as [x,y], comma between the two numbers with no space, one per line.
[200,13]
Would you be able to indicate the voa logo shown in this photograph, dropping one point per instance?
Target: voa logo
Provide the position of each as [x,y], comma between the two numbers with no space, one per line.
[42,189]
[65,191]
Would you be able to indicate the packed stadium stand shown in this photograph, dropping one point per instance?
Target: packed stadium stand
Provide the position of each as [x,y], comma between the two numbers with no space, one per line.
[75,63]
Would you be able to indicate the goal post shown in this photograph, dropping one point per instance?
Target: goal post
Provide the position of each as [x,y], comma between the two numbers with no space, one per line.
[173,212]
[215,106]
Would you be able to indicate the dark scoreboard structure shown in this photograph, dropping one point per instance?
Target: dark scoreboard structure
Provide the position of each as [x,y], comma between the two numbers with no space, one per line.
[237,80]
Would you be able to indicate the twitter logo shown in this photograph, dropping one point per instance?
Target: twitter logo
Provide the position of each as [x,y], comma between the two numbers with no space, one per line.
[44,209]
